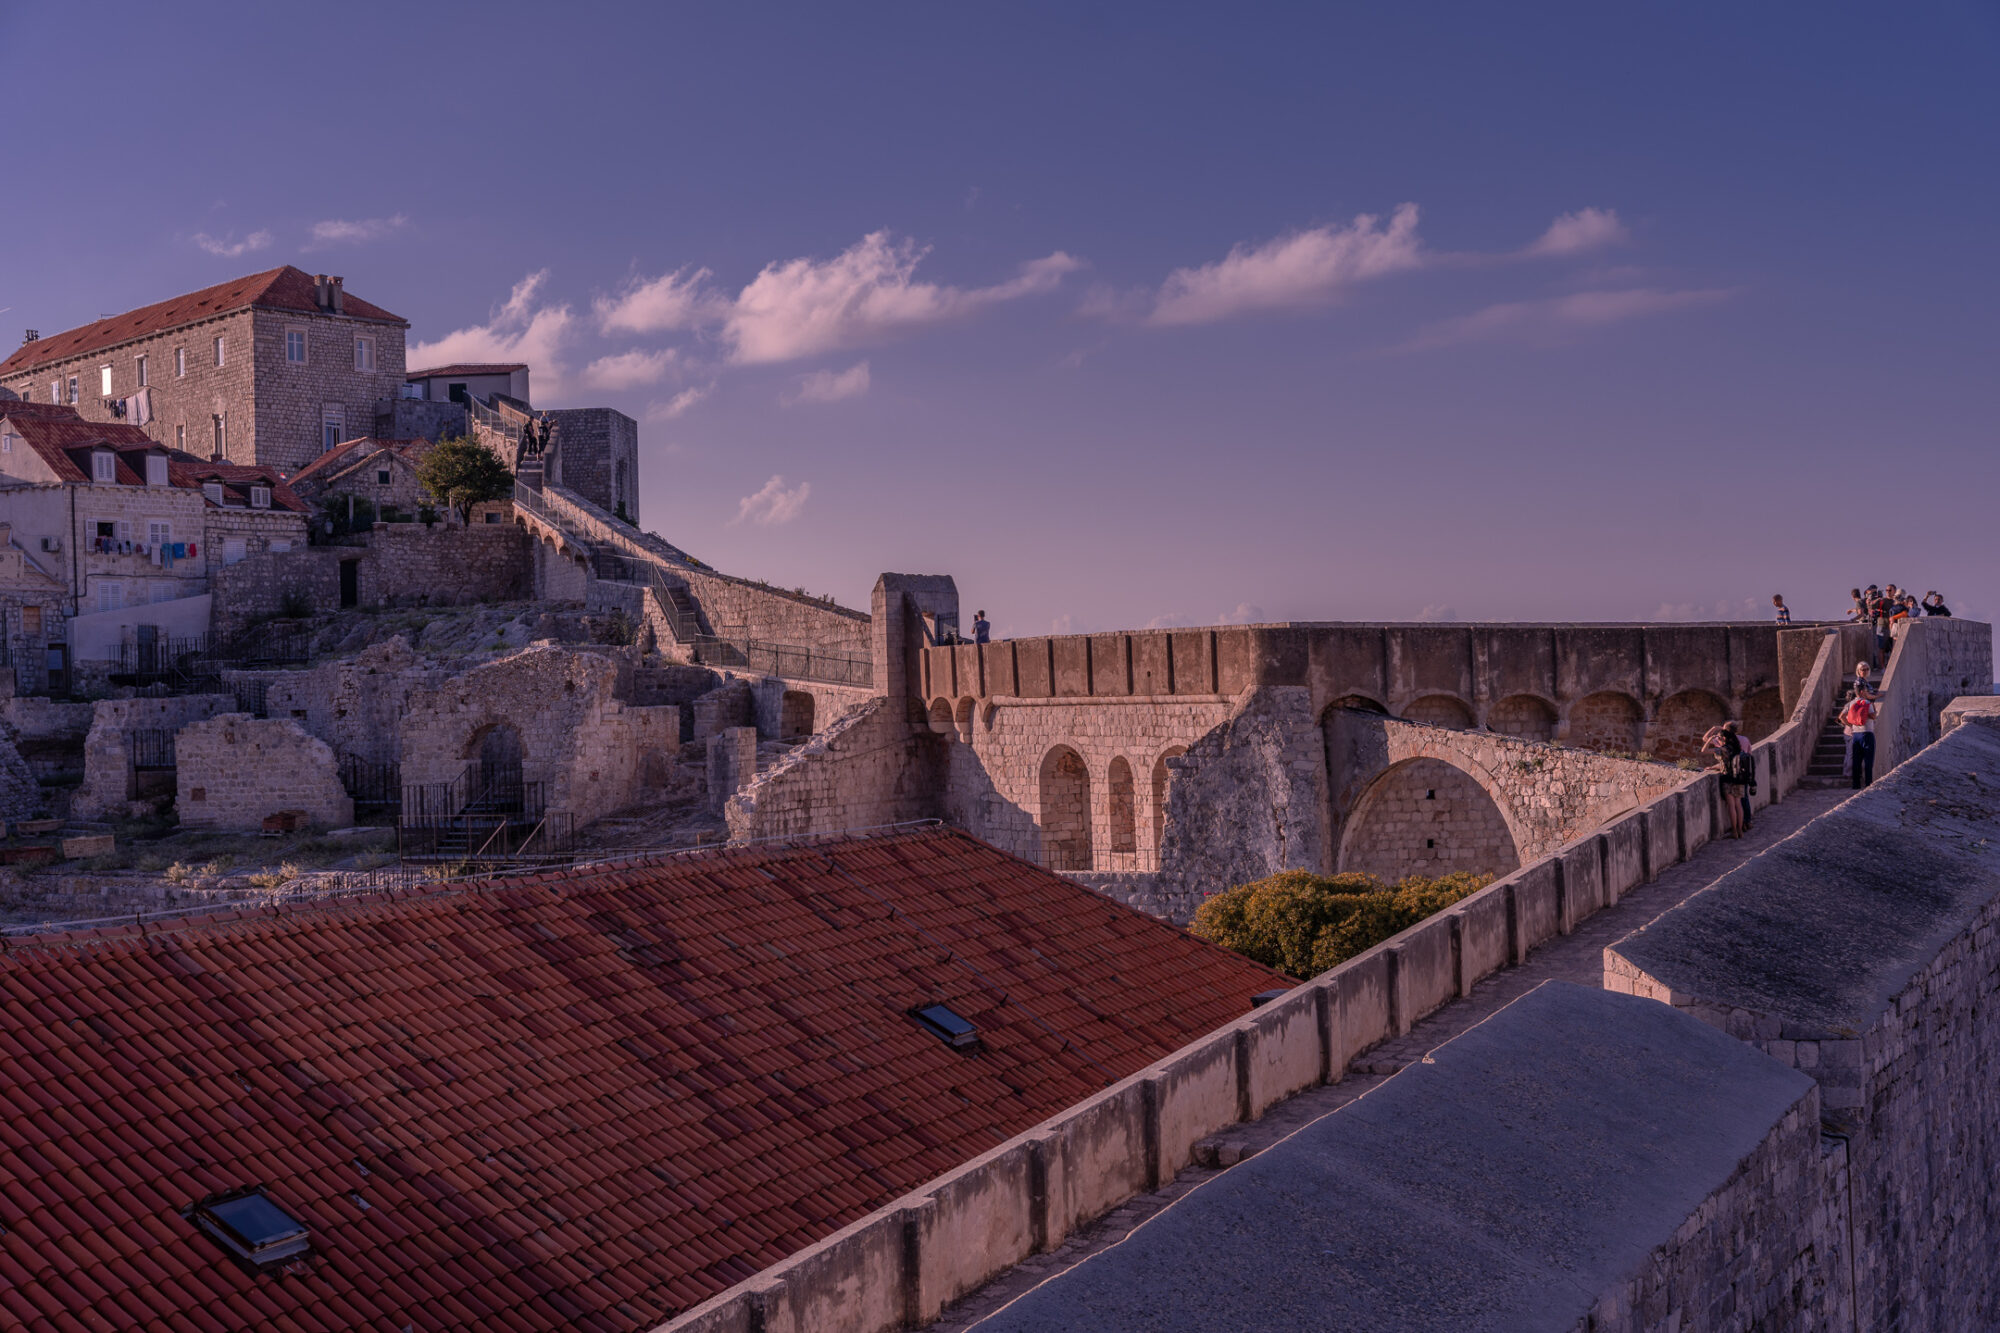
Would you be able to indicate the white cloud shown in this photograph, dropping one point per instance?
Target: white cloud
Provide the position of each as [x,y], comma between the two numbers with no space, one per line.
[629,370]
[1723,608]
[1439,614]
[229,247]
[1585,229]
[773,504]
[1553,318]
[1246,613]
[338,231]
[679,403]
[1063,624]
[1303,269]
[1171,620]
[827,386]
[524,329]
[868,292]
[672,301]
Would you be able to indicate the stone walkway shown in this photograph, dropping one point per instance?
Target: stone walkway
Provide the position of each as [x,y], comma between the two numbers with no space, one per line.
[1578,957]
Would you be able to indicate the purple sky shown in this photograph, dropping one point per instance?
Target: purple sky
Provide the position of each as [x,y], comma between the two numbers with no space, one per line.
[1129,315]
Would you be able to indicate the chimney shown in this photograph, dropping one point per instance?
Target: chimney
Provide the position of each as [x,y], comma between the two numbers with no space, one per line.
[320,297]
[33,334]
[337,295]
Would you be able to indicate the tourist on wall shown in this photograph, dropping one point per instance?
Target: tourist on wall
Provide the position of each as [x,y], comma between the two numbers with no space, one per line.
[1738,770]
[982,632]
[1858,610]
[1784,612]
[1934,604]
[1857,723]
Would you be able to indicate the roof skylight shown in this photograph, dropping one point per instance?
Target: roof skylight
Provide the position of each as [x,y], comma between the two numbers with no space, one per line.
[952,1028]
[252,1228]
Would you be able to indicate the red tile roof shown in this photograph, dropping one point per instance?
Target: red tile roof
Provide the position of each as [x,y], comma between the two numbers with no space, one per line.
[585,1101]
[62,439]
[286,288]
[466,368]
[347,452]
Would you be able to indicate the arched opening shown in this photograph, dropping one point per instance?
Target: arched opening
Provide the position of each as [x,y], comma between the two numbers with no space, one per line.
[962,718]
[1426,817]
[1440,710]
[496,751]
[940,716]
[1124,814]
[1065,811]
[1608,722]
[1162,785]
[1681,721]
[795,715]
[1523,715]
[1763,713]
[1361,703]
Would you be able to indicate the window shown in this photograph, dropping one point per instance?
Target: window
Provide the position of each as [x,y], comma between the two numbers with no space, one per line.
[280,547]
[159,531]
[72,391]
[156,469]
[213,490]
[218,351]
[104,468]
[945,1023]
[457,392]
[31,620]
[163,591]
[111,531]
[180,362]
[181,438]
[104,378]
[295,346]
[332,426]
[260,497]
[221,435]
[140,363]
[232,550]
[55,391]
[252,1228]
[364,354]
[329,437]
[110,595]
[7,443]
[381,476]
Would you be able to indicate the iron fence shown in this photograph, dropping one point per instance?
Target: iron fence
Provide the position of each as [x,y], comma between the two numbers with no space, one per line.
[151,749]
[375,785]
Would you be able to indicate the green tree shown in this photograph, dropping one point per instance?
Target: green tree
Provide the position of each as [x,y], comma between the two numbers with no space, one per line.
[462,472]
[1304,923]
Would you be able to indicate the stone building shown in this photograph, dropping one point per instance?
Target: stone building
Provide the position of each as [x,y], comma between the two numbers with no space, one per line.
[596,454]
[458,382]
[381,473]
[270,369]
[108,531]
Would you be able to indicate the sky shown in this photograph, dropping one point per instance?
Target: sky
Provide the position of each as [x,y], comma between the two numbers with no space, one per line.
[1128,315]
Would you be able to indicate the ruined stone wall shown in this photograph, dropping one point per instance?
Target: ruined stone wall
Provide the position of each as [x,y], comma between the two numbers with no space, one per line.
[401,418]
[772,615]
[794,709]
[398,564]
[356,704]
[109,780]
[864,771]
[234,771]
[593,753]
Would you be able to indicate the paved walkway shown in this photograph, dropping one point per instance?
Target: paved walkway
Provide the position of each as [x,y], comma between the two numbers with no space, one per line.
[1578,957]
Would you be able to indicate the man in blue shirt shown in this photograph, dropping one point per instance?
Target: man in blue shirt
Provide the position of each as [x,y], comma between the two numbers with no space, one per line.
[981,631]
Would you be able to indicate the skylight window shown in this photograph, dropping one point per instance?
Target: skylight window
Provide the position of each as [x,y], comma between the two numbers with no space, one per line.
[252,1228]
[948,1025]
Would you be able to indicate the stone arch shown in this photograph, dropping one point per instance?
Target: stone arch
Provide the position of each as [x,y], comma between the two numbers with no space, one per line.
[962,718]
[1359,702]
[1528,716]
[1124,805]
[1427,816]
[1763,713]
[795,715]
[940,716]
[1678,726]
[496,750]
[1065,793]
[1440,710]
[1163,784]
[1607,721]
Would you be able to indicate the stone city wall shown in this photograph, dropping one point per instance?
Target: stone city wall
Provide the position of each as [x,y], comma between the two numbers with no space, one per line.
[1613,687]
[234,771]
[398,564]
[1861,952]
[110,782]
[864,771]
[1934,662]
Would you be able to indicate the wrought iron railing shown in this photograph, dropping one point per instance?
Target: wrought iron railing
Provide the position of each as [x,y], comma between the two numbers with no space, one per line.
[376,786]
[151,749]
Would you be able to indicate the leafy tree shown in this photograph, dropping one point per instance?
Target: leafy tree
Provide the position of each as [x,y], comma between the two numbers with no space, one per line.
[462,472]
[1304,923]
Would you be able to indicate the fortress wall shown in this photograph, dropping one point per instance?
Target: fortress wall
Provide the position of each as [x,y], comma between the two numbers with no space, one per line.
[1934,662]
[1862,952]
[1098,1154]
[864,771]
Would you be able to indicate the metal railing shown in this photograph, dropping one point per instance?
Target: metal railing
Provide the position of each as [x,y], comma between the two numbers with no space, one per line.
[376,786]
[151,749]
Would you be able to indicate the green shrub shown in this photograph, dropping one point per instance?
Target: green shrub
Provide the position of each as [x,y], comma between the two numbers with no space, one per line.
[1303,923]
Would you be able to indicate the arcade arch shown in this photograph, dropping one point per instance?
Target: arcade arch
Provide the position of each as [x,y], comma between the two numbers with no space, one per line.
[1065,802]
[1425,816]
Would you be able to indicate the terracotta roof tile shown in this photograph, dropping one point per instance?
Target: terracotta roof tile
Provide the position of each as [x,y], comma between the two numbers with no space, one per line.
[286,288]
[559,1088]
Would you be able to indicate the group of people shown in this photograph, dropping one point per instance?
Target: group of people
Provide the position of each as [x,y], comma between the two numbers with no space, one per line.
[1738,770]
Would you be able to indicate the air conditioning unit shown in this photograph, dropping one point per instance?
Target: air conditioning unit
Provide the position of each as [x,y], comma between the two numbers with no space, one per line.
[52,543]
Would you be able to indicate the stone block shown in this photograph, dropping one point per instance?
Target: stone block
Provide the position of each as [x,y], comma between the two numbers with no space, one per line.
[1624,856]
[1070,658]
[1663,834]
[1360,989]
[1483,934]
[1426,968]
[93,844]
[1193,661]
[1199,1094]
[1110,665]
[1286,1049]
[1537,907]
[1583,883]
[1151,664]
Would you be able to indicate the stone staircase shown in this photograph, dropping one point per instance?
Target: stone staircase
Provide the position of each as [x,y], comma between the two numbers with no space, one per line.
[1829,756]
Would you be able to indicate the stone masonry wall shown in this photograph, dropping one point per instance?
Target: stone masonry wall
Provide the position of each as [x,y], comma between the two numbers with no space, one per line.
[597,456]
[108,776]
[356,704]
[1936,661]
[1428,818]
[400,564]
[864,771]
[293,401]
[235,770]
